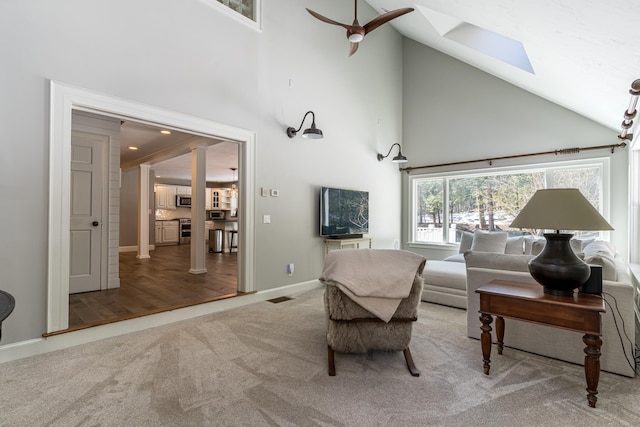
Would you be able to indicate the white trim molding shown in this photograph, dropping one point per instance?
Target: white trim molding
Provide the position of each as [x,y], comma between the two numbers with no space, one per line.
[64,99]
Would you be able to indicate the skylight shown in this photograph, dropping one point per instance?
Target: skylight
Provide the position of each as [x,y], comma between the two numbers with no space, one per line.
[481,40]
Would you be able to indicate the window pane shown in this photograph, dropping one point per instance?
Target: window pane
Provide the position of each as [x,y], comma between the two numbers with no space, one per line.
[490,203]
[586,179]
[243,7]
[429,201]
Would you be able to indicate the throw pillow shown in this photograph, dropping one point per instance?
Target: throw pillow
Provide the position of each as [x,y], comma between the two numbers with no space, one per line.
[465,242]
[489,242]
[455,258]
[537,246]
[515,245]
[599,253]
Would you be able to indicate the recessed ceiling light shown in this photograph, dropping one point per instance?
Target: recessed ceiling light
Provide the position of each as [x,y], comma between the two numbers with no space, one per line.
[165,132]
[131,147]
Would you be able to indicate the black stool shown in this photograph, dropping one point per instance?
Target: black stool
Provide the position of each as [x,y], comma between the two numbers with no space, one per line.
[233,243]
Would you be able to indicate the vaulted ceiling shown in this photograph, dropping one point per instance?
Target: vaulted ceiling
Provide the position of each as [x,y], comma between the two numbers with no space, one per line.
[583,54]
[580,54]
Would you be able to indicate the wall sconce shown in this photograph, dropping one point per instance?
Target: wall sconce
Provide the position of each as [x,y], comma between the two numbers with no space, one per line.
[397,159]
[631,111]
[311,133]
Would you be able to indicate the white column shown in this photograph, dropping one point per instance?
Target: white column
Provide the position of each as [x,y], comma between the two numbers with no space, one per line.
[198,194]
[143,211]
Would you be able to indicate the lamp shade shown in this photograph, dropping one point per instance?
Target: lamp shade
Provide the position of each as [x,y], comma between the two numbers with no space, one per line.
[560,209]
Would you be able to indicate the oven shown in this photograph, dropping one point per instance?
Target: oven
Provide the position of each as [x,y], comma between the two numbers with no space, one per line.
[184,230]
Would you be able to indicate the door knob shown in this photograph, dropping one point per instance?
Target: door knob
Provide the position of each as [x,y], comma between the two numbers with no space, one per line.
[95,223]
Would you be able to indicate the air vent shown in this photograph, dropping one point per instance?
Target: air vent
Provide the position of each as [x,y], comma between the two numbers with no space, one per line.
[279,300]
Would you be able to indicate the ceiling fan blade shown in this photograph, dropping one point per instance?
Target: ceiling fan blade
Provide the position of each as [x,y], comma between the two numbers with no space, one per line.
[353,48]
[327,20]
[384,18]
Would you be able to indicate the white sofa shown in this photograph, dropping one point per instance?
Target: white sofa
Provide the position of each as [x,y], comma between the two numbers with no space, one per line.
[618,323]
[445,282]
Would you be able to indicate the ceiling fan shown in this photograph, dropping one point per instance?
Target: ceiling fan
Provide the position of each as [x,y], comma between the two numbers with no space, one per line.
[355,31]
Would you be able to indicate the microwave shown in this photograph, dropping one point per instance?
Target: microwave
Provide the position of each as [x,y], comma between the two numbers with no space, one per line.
[216,214]
[183,201]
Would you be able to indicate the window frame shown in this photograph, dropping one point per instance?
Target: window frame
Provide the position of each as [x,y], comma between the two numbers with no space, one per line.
[255,24]
[602,162]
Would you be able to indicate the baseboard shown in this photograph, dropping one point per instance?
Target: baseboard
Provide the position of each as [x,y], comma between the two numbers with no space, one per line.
[38,346]
[133,248]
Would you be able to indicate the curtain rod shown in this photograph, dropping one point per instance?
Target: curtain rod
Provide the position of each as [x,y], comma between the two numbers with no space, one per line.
[490,160]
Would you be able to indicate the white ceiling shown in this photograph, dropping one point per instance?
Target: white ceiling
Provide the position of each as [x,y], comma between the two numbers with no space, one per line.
[170,155]
[584,53]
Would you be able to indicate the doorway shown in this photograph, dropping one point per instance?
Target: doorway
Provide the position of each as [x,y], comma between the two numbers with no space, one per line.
[66,99]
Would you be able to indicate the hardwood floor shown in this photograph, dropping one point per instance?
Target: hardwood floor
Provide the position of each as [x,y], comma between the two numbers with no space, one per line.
[153,285]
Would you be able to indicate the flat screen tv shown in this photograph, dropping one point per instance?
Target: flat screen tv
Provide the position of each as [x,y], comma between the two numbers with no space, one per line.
[343,213]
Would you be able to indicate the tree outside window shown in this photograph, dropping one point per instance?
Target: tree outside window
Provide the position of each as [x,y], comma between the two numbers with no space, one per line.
[445,207]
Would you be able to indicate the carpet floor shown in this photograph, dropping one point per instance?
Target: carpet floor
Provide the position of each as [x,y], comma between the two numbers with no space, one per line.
[265,365]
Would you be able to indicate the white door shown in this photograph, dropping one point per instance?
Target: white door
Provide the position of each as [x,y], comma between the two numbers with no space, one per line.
[86,211]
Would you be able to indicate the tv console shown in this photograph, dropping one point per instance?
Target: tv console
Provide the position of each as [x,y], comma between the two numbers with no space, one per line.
[353,242]
[345,236]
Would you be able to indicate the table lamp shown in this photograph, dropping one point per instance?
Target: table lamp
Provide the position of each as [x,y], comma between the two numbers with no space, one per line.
[557,268]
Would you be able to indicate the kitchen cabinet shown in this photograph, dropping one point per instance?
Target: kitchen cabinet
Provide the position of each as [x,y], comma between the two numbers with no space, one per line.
[207,199]
[165,196]
[167,232]
[183,190]
[221,198]
[208,225]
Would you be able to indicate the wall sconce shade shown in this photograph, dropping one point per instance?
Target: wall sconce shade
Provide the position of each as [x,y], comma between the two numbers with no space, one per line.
[557,268]
[310,133]
[397,159]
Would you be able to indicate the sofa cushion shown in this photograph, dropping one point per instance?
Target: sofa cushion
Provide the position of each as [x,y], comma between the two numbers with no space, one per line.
[497,261]
[528,244]
[465,242]
[599,253]
[515,245]
[445,274]
[489,242]
[537,246]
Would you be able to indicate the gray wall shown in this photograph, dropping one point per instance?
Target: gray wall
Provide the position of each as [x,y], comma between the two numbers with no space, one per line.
[455,112]
[129,208]
[191,58]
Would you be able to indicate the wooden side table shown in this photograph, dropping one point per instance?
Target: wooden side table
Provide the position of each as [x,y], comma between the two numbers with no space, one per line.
[528,302]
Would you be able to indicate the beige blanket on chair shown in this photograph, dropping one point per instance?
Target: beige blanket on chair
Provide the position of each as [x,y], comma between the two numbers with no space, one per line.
[376,279]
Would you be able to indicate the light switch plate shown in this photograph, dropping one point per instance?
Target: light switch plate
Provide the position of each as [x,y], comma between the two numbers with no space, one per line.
[266,219]
[275,193]
[264,192]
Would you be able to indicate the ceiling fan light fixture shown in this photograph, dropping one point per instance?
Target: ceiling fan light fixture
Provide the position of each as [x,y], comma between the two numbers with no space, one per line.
[356,32]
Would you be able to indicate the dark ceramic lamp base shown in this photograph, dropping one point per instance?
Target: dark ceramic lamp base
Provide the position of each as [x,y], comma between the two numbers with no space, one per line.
[557,268]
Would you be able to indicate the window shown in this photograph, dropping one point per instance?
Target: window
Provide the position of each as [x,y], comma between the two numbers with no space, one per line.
[443,206]
[243,7]
[246,11]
